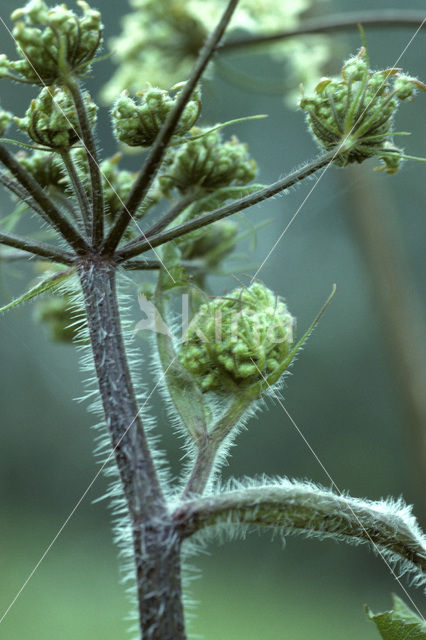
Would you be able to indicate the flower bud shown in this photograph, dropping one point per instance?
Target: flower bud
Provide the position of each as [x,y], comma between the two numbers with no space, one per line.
[354,114]
[58,314]
[209,164]
[46,168]
[51,120]
[210,244]
[5,119]
[138,122]
[238,340]
[55,42]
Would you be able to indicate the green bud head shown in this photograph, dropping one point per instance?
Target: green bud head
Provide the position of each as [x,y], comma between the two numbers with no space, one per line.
[354,115]
[137,121]
[57,313]
[5,119]
[51,120]
[55,43]
[211,244]
[207,163]
[235,341]
[46,168]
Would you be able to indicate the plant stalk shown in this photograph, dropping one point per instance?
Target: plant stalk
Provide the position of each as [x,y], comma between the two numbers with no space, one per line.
[92,159]
[156,546]
[55,216]
[327,24]
[132,250]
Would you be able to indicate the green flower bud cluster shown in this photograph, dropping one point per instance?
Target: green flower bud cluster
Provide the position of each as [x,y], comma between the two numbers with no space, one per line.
[51,120]
[5,119]
[117,183]
[46,168]
[137,122]
[210,244]
[355,112]
[57,313]
[235,341]
[208,163]
[54,43]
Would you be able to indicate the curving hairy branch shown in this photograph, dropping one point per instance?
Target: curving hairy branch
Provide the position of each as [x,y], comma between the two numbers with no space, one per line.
[304,508]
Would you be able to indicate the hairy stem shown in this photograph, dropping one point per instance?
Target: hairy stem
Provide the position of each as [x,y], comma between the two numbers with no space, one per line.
[22,194]
[129,251]
[155,543]
[93,162]
[209,444]
[153,162]
[55,216]
[37,248]
[297,507]
[168,217]
[79,190]
[386,18]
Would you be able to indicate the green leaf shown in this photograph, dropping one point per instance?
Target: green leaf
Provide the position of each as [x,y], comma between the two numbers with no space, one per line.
[41,287]
[400,623]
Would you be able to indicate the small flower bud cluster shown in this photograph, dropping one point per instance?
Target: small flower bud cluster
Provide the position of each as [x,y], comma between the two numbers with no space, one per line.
[57,313]
[117,184]
[236,341]
[54,43]
[210,244]
[5,119]
[137,122]
[354,113]
[46,168]
[209,164]
[51,120]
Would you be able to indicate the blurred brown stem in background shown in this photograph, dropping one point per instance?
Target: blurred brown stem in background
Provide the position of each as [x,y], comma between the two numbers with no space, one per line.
[375,223]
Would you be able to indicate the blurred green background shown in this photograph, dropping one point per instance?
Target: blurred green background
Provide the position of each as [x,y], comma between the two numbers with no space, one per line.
[348,391]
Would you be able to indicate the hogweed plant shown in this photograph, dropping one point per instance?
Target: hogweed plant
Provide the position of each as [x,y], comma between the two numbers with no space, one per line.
[236,348]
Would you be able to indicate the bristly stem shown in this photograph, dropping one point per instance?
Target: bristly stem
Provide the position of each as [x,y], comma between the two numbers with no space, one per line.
[79,190]
[168,217]
[153,162]
[209,444]
[37,248]
[55,216]
[155,543]
[326,24]
[298,507]
[19,191]
[88,142]
[129,251]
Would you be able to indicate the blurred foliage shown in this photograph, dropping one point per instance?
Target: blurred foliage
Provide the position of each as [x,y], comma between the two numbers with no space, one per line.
[342,395]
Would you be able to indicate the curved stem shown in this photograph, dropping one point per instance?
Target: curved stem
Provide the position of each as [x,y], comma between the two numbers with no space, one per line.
[129,251]
[153,162]
[88,142]
[385,18]
[55,216]
[297,507]
[37,248]
[156,546]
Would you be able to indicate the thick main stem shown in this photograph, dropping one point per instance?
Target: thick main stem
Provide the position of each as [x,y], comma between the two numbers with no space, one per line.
[156,544]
